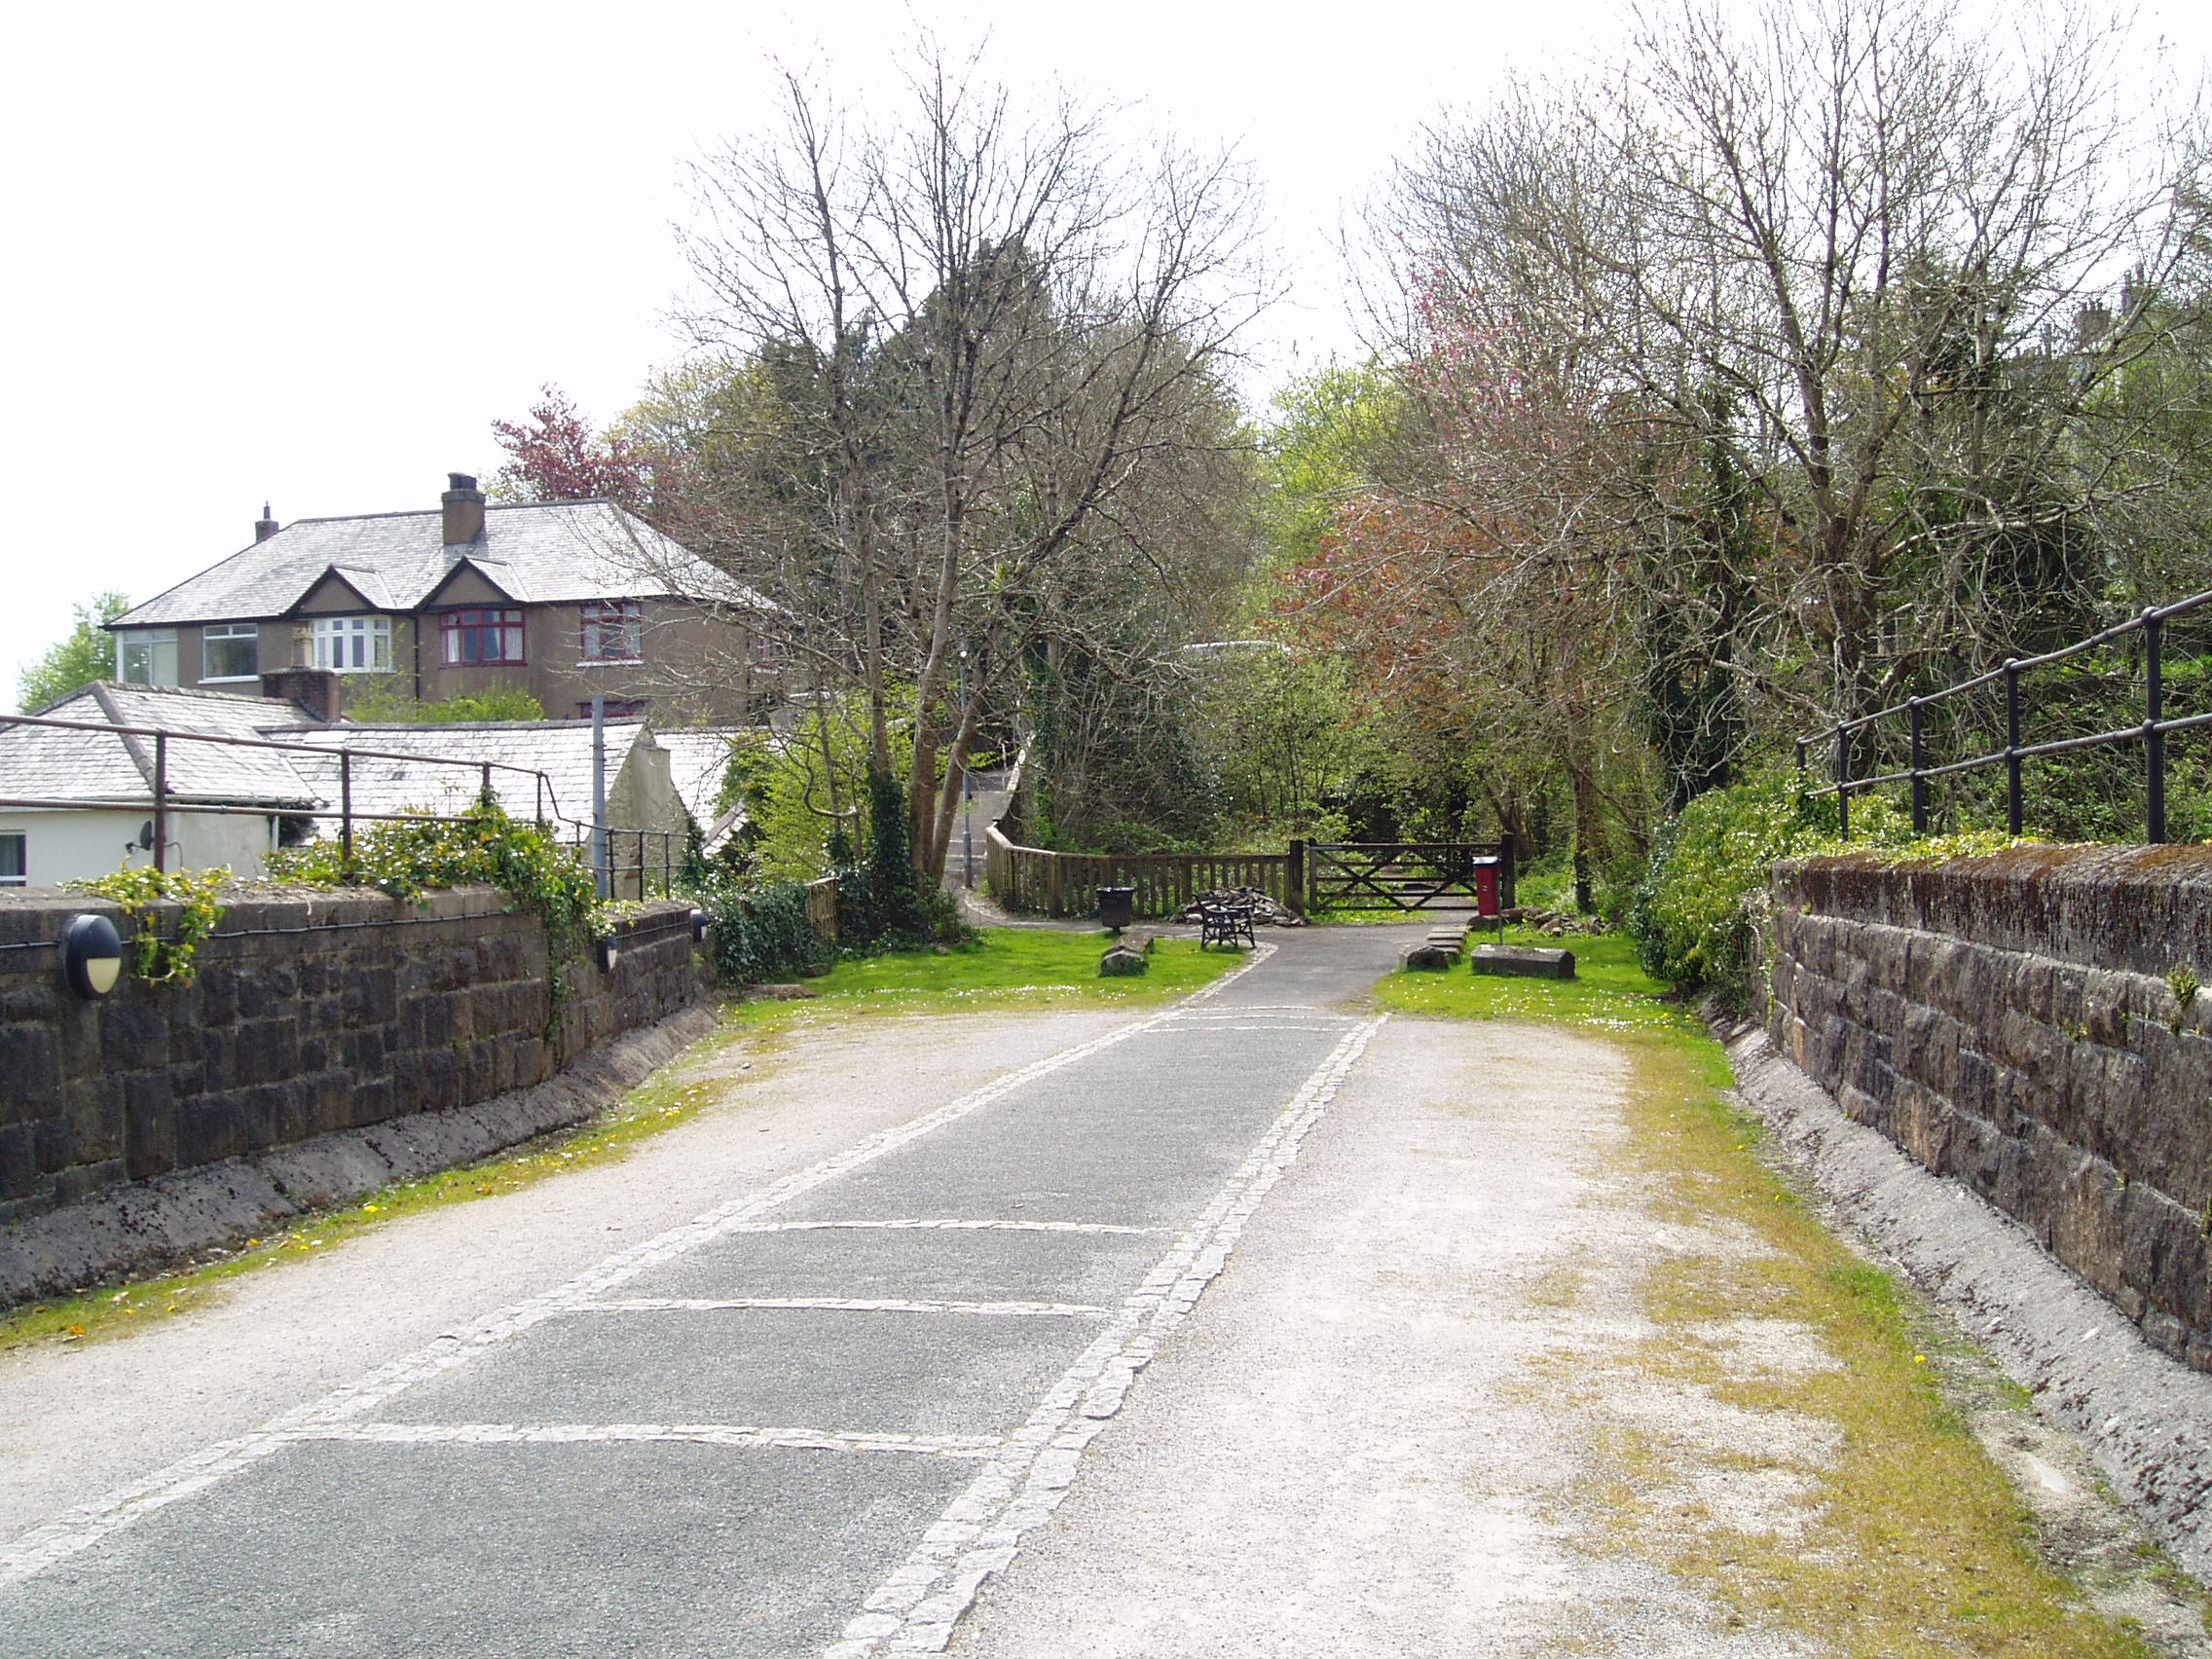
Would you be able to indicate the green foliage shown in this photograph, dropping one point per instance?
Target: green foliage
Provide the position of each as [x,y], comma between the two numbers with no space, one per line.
[385,704]
[883,900]
[408,856]
[1284,735]
[1692,918]
[762,936]
[172,960]
[796,797]
[1697,916]
[1314,453]
[86,655]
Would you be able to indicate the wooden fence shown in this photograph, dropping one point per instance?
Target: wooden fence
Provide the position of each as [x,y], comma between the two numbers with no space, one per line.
[1038,882]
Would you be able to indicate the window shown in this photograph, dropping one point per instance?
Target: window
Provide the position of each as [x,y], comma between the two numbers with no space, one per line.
[614,631]
[229,650]
[354,644]
[15,859]
[146,657]
[483,636]
[618,708]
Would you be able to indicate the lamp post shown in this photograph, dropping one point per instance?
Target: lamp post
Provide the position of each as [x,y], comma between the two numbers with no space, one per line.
[967,787]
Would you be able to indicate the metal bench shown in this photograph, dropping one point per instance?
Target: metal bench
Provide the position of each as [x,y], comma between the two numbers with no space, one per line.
[1224,924]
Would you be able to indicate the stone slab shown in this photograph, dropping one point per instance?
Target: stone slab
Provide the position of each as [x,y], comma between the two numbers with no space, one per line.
[1525,961]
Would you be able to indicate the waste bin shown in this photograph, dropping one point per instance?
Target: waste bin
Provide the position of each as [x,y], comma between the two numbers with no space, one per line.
[1117,906]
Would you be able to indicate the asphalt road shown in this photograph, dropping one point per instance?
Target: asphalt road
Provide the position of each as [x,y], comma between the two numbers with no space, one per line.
[813,1419]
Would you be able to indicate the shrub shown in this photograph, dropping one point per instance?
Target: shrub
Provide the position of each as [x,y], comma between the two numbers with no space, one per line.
[1693,916]
[760,936]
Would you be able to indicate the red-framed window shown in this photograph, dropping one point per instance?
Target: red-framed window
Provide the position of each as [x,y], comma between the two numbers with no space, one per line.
[614,631]
[482,635]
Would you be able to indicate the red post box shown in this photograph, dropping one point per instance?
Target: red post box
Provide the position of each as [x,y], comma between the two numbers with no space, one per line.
[1485,889]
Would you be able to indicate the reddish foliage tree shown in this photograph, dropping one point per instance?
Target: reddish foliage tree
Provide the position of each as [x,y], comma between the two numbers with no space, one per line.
[556,456]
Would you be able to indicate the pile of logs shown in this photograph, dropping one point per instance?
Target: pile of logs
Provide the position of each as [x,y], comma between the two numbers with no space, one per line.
[1266,911]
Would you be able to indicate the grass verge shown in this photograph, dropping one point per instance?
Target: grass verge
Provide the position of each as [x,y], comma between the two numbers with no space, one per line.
[1009,967]
[1909,1539]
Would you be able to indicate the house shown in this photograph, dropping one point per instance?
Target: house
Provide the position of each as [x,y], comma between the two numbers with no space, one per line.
[567,600]
[99,787]
[77,803]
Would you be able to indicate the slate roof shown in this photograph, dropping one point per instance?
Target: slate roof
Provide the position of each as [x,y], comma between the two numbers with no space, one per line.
[697,758]
[560,749]
[549,553]
[42,763]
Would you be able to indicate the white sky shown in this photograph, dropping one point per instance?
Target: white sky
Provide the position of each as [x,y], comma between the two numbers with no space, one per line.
[307,254]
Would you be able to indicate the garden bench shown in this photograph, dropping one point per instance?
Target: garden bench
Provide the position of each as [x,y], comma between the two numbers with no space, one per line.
[1224,924]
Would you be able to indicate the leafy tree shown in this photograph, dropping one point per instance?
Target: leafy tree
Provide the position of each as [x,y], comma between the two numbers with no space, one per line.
[385,705]
[556,456]
[86,655]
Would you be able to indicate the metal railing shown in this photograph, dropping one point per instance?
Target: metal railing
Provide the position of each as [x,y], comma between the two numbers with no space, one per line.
[2152,732]
[167,802]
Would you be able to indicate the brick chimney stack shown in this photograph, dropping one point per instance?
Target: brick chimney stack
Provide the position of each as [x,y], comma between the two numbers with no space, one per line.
[265,526]
[463,504]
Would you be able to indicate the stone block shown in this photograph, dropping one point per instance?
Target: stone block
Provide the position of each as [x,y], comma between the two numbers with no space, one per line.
[1121,962]
[371,993]
[20,1176]
[1525,961]
[1427,958]
[30,1069]
[135,1032]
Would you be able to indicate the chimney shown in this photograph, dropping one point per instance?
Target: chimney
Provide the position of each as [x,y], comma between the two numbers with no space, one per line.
[315,689]
[463,504]
[265,526]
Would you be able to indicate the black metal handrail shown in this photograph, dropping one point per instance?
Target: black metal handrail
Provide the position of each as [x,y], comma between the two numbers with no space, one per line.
[2152,733]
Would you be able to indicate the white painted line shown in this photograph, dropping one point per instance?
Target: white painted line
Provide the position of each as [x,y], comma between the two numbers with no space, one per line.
[915,1609]
[949,1225]
[838,1305]
[87,1523]
[737,1435]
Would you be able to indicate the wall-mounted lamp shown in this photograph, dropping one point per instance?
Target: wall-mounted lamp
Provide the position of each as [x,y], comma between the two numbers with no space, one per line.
[699,919]
[91,956]
[608,950]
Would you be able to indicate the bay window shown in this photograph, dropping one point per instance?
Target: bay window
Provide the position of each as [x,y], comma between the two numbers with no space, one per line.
[354,644]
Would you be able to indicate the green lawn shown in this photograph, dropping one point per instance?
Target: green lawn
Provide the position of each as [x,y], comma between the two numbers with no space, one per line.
[1609,990]
[1019,966]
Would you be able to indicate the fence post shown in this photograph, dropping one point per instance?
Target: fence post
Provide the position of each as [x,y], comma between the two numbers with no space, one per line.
[2155,711]
[2012,812]
[1294,876]
[488,781]
[160,801]
[1919,761]
[345,814]
[1843,780]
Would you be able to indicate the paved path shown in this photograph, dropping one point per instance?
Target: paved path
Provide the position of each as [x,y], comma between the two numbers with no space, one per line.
[811,1421]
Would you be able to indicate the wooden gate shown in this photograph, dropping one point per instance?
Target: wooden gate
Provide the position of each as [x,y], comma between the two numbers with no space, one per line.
[1402,876]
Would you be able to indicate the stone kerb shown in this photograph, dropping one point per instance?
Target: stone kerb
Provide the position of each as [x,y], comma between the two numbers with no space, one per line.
[2010,1021]
[311,1014]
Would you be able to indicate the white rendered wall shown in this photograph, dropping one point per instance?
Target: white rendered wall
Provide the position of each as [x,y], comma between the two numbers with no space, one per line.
[73,846]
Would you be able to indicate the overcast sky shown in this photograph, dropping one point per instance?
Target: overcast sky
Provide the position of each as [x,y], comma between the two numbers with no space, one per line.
[307,254]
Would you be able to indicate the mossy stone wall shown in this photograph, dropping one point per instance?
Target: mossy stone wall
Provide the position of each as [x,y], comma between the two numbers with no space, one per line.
[309,1015]
[2022,1023]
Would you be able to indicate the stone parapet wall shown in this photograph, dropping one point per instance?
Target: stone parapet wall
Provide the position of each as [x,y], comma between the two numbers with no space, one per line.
[2021,1022]
[309,1015]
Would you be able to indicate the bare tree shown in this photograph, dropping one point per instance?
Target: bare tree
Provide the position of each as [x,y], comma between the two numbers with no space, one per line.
[980,344]
[1842,255]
